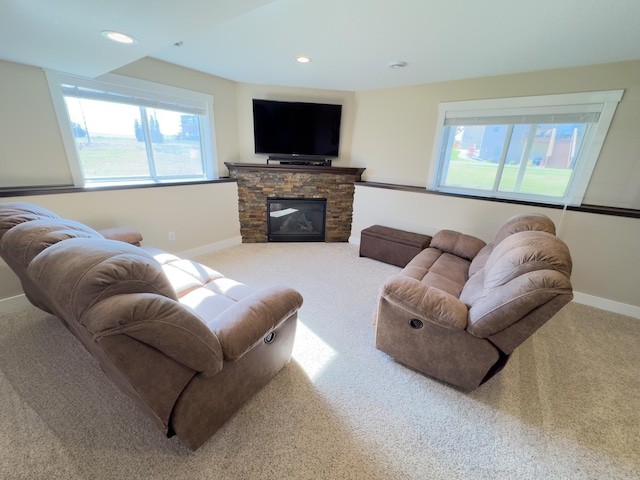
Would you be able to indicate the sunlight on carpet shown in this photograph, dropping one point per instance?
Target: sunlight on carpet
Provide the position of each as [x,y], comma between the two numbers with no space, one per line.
[310,352]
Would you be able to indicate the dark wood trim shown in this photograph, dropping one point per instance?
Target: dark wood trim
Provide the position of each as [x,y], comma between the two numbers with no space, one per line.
[614,211]
[602,210]
[53,189]
[256,167]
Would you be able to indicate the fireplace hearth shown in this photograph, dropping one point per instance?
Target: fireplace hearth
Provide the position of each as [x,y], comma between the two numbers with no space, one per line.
[296,219]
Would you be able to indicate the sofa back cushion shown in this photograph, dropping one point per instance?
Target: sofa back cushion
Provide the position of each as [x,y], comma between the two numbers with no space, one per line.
[456,243]
[523,272]
[480,259]
[26,240]
[525,252]
[15,213]
[80,272]
[524,223]
[518,223]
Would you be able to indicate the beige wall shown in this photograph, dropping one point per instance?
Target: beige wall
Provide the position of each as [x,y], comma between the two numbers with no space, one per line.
[394,128]
[247,92]
[31,149]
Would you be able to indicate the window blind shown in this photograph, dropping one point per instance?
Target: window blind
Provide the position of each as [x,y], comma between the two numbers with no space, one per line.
[129,99]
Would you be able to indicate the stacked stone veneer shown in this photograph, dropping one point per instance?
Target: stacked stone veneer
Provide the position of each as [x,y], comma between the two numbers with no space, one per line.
[257,183]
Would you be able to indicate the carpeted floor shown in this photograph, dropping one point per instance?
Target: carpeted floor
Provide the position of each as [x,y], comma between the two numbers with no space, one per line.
[567,406]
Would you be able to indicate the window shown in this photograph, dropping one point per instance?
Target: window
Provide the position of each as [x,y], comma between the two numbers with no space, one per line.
[541,149]
[128,131]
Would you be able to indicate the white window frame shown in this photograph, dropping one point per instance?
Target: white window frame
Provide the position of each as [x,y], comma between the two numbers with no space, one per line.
[603,103]
[140,88]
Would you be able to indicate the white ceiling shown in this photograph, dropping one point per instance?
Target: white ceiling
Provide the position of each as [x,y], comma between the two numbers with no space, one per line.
[351,42]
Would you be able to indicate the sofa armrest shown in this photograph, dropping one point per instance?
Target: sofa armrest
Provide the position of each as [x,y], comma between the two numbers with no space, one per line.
[123,234]
[458,244]
[426,302]
[244,324]
[161,323]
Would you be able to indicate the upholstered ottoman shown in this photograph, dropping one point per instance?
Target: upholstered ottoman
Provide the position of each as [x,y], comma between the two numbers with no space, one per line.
[390,245]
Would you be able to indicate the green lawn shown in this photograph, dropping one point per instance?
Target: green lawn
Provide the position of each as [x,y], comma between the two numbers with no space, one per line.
[541,181]
[126,157]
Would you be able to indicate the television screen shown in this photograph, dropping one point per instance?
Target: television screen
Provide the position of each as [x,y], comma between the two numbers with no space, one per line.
[296,128]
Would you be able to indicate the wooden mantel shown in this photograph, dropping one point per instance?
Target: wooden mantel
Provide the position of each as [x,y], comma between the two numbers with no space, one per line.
[255,167]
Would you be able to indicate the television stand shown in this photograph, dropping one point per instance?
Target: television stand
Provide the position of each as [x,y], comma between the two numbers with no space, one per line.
[299,160]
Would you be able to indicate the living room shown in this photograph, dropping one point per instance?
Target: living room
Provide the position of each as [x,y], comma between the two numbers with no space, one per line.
[394,158]
[388,131]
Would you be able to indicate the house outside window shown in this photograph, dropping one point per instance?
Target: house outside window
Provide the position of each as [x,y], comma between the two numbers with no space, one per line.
[540,149]
[126,131]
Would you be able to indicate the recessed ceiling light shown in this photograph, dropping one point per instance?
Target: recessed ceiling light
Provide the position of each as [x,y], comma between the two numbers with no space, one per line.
[396,65]
[303,59]
[119,37]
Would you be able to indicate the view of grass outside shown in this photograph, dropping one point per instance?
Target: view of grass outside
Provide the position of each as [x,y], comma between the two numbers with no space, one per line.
[112,157]
[481,175]
[125,157]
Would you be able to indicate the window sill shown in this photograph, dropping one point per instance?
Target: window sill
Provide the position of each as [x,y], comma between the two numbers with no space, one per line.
[48,190]
[599,209]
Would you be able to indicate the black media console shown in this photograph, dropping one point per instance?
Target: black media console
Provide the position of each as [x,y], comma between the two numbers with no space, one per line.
[299,160]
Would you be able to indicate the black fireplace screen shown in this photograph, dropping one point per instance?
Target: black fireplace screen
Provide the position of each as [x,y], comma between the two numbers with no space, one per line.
[296,219]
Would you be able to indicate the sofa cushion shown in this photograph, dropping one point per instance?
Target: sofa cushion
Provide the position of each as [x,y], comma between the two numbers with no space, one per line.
[526,270]
[517,223]
[524,223]
[456,243]
[26,240]
[15,213]
[508,303]
[80,272]
[473,289]
[444,271]
[480,259]
[525,252]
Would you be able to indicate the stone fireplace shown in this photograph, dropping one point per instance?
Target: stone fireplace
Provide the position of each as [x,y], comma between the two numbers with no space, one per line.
[259,182]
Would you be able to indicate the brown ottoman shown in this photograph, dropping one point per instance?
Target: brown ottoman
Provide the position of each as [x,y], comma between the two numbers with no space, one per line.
[390,245]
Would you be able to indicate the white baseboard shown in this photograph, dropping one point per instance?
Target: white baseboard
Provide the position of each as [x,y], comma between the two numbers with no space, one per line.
[606,304]
[212,247]
[13,303]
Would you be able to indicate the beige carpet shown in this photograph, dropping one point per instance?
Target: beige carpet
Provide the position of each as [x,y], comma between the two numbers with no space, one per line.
[567,406]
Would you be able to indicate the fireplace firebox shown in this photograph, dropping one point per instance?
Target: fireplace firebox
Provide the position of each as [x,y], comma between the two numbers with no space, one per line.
[296,219]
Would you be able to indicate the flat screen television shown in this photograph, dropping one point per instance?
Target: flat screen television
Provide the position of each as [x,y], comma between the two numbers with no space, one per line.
[296,129]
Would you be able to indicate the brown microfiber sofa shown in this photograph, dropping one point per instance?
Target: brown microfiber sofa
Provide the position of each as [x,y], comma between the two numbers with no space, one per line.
[460,307]
[188,345]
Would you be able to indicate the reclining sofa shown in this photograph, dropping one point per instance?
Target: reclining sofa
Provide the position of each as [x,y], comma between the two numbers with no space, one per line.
[460,307]
[188,345]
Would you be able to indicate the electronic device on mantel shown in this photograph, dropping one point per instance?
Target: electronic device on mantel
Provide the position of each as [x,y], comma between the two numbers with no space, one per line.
[297,133]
